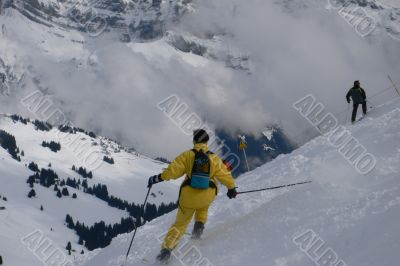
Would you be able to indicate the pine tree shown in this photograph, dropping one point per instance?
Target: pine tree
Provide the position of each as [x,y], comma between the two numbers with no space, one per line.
[59,194]
[84,184]
[74,196]
[69,221]
[31,180]
[82,172]
[8,142]
[69,248]
[41,207]
[109,160]
[47,177]
[82,252]
[34,167]
[32,193]
[65,192]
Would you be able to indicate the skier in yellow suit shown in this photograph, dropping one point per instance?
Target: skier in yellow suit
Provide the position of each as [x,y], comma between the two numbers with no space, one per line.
[202,169]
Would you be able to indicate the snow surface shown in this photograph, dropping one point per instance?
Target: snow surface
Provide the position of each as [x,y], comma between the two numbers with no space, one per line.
[23,216]
[126,179]
[268,133]
[355,215]
[123,178]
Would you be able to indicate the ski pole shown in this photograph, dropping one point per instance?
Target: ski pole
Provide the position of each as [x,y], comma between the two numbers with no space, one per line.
[134,233]
[270,188]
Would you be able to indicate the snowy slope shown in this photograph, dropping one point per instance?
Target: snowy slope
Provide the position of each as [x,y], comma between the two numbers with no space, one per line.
[354,215]
[23,216]
[125,179]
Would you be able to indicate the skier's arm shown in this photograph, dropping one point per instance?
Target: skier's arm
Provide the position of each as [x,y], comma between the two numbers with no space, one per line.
[364,94]
[348,96]
[223,175]
[177,168]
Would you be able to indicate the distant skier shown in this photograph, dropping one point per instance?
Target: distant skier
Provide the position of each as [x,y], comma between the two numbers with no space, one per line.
[202,169]
[357,94]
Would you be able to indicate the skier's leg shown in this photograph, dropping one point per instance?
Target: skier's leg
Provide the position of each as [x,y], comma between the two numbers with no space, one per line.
[178,229]
[201,219]
[354,114]
[202,215]
[364,107]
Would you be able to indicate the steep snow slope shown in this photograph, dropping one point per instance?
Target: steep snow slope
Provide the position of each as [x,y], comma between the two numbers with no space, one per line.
[355,216]
[125,179]
[22,215]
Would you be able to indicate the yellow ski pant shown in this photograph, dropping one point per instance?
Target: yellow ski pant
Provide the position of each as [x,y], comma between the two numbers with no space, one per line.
[178,229]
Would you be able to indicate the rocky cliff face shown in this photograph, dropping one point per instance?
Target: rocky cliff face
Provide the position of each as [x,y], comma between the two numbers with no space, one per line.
[149,20]
[140,18]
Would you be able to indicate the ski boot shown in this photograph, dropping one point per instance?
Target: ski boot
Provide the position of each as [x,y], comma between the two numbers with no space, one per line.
[197,230]
[164,256]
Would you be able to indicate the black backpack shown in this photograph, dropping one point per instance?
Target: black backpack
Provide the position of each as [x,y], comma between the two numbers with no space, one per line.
[200,178]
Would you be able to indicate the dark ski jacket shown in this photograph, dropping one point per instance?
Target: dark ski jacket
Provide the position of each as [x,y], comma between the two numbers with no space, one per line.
[357,95]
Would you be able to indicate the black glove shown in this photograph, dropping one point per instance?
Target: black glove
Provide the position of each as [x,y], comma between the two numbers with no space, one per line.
[154,180]
[232,193]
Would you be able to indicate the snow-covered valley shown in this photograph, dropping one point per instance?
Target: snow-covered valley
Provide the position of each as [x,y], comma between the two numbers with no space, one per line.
[125,178]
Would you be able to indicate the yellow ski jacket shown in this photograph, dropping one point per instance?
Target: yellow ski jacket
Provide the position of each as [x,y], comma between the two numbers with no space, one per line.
[198,198]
